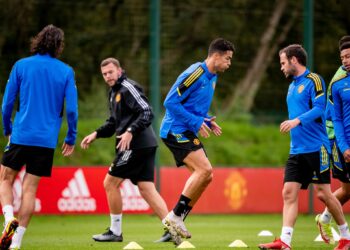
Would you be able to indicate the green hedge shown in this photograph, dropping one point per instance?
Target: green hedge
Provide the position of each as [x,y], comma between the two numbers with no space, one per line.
[241,144]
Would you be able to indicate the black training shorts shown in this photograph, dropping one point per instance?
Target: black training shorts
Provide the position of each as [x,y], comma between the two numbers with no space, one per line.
[38,160]
[182,144]
[308,168]
[340,168]
[136,165]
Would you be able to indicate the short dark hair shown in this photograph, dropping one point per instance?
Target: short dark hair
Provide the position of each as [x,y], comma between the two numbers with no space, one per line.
[297,51]
[344,43]
[109,60]
[220,45]
[49,40]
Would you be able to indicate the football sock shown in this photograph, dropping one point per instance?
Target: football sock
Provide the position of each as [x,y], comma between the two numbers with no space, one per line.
[186,212]
[116,224]
[17,237]
[181,205]
[326,217]
[344,231]
[7,210]
[286,235]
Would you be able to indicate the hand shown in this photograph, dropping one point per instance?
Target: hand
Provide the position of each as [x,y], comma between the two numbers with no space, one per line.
[67,149]
[204,130]
[288,125]
[215,128]
[125,140]
[347,155]
[85,143]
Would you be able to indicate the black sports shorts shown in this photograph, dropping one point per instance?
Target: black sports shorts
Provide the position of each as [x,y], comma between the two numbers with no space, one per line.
[182,144]
[38,160]
[136,165]
[340,168]
[308,168]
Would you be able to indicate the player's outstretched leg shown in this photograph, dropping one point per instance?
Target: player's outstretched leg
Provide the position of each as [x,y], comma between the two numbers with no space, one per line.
[325,230]
[276,244]
[7,234]
[108,236]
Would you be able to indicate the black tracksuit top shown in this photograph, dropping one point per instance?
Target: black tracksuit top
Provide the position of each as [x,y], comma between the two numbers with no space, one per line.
[129,108]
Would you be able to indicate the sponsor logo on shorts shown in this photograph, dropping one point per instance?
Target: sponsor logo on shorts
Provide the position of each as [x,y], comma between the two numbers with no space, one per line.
[76,196]
[17,193]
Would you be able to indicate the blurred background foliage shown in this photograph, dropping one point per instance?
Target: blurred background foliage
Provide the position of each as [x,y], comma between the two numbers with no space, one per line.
[252,91]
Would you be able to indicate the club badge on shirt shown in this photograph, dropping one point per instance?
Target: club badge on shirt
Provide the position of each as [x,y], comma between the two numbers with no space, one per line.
[117,97]
[301,88]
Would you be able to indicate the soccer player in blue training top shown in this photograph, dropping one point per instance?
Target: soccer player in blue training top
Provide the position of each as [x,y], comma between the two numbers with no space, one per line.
[130,120]
[187,105]
[338,112]
[309,148]
[42,84]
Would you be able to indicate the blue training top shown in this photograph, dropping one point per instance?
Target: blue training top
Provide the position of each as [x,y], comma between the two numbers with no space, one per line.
[189,100]
[341,73]
[41,83]
[340,101]
[306,101]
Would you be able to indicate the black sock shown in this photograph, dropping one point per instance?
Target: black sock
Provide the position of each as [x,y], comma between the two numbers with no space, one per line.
[182,206]
[186,212]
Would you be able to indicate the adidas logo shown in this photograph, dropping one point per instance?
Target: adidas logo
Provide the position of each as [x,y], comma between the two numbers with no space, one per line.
[76,196]
[132,199]
[17,193]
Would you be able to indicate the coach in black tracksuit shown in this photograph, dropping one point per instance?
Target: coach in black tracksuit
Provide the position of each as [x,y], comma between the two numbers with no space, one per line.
[130,119]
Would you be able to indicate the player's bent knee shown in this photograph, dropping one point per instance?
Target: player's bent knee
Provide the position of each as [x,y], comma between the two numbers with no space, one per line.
[108,184]
[207,175]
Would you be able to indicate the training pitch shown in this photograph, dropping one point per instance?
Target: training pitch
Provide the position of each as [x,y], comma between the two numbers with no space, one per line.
[208,232]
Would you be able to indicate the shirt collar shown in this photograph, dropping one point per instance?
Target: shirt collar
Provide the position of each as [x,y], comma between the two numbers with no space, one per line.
[207,72]
[46,54]
[116,86]
[298,79]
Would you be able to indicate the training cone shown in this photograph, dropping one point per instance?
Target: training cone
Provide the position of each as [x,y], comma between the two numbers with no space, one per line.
[265,233]
[336,236]
[185,244]
[133,245]
[238,243]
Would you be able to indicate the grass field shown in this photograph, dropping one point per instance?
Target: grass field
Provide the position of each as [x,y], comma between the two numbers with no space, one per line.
[208,232]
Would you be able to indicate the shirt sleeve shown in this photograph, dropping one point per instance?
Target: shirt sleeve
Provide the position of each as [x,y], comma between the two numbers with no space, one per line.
[71,95]
[179,92]
[337,117]
[11,92]
[318,101]
[107,129]
[136,101]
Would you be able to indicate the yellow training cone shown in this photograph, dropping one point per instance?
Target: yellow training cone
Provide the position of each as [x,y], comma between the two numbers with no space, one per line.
[186,244]
[132,245]
[238,243]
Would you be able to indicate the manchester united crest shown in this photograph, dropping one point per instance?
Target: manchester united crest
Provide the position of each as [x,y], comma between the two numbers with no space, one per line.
[117,97]
[301,88]
[196,141]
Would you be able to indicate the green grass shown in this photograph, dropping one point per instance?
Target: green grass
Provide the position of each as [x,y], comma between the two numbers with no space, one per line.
[208,231]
